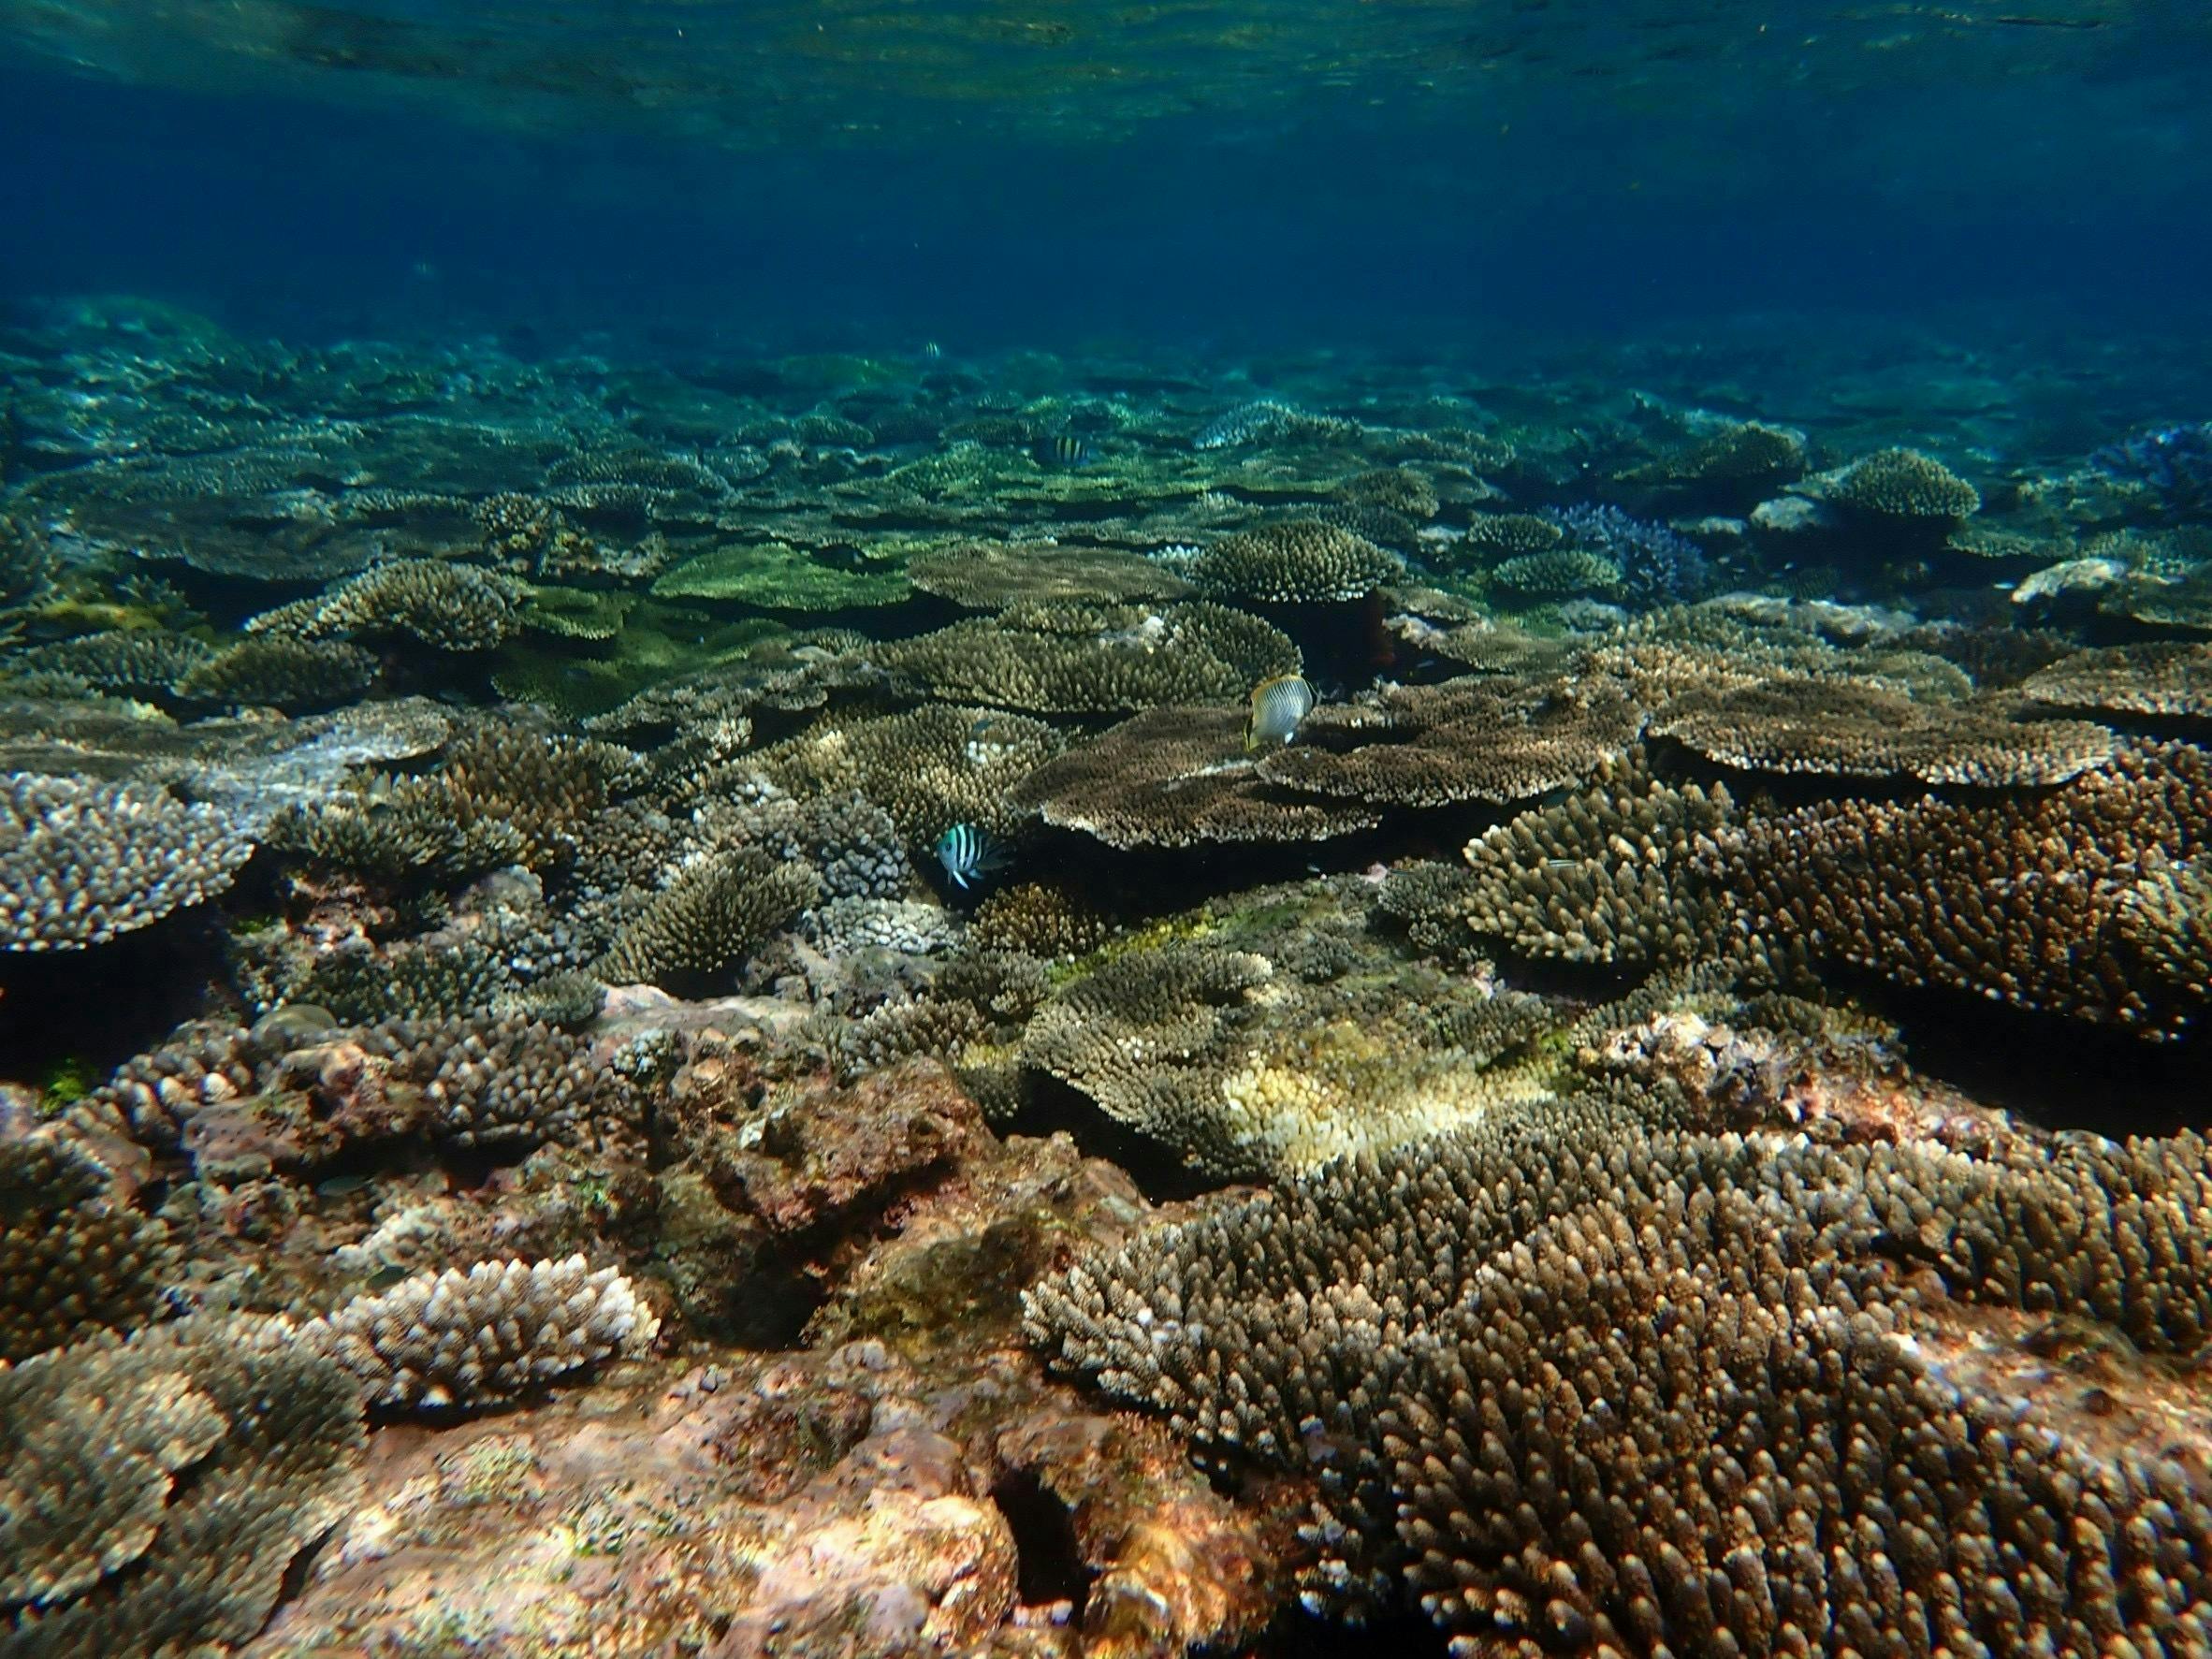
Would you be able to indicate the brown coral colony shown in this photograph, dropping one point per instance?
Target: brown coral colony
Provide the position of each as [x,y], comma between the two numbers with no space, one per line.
[874,1009]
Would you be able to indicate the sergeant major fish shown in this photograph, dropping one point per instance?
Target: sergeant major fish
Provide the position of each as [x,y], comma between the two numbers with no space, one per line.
[968,854]
[1063,450]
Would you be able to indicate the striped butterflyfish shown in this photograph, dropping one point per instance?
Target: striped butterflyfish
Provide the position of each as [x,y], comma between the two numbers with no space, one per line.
[1278,706]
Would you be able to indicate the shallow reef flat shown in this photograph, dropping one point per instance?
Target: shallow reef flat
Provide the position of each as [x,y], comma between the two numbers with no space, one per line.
[850,1005]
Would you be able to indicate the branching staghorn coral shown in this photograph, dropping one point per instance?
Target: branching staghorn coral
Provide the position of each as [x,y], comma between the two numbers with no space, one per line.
[501,1330]
[137,662]
[1590,1387]
[1558,573]
[155,1493]
[709,917]
[73,1258]
[929,768]
[455,608]
[2029,899]
[544,785]
[1293,562]
[279,671]
[1604,876]
[82,862]
[488,1080]
[1903,483]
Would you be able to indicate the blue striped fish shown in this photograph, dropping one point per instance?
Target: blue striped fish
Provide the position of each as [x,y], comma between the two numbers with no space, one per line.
[968,854]
[1278,706]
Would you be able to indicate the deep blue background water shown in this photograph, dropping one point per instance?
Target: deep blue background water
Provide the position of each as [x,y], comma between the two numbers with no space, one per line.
[2075,204]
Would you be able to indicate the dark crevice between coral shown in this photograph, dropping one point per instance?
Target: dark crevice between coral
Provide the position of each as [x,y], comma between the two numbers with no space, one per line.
[1297,1634]
[84,1012]
[2062,1074]
[1053,1107]
[1048,1566]
[768,1313]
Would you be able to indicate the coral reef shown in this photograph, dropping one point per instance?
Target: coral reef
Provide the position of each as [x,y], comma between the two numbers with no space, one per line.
[157,1491]
[2024,899]
[1903,483]
[993,577]
[1063,659]
[454,607]
[279,671]
[2169,678]
[1559,572]
[82,861]
[780,853]
[1603,876]
[1442,1335]
[1868,731]
[1495,738]
[2173,464]
[1656,565]
[1177,777]
[929,769]
[73,1258]
[1297,561]
[710,915]
[499,1330]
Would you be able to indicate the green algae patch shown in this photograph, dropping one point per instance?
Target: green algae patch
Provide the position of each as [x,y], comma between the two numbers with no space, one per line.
[578,613]
[773,576]
[578,676]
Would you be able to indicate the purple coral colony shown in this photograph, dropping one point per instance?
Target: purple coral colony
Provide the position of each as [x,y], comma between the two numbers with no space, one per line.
[913,1002]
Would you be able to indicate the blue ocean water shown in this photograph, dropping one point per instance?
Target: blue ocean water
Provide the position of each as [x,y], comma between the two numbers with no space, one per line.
[1042,174]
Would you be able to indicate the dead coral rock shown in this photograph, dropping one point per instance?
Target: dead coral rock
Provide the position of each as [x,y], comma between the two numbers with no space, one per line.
[812,1162]
[1182,1558]
[953,1270]
[863,1499]
[895,1553]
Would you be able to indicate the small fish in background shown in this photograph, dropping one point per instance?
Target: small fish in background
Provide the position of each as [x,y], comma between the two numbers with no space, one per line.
[931,351]
[968,854]
[1063,450]
[1279,707]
